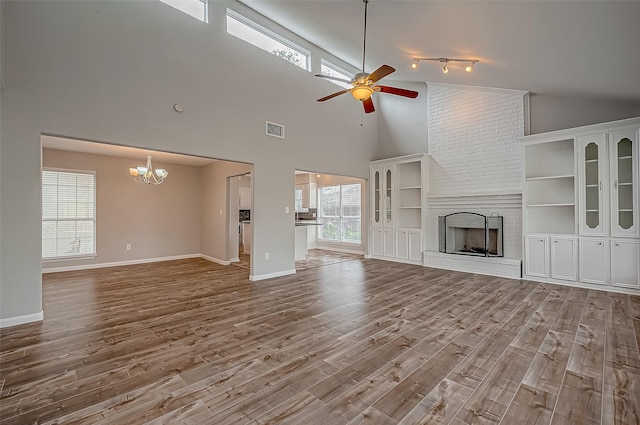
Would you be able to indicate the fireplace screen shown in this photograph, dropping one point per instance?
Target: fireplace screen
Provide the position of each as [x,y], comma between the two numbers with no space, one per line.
[468,233]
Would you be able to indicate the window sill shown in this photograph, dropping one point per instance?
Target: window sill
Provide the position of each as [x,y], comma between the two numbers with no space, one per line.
[69,258]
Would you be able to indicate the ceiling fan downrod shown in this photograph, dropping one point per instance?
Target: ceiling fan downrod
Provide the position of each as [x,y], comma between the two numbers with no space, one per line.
[364,32]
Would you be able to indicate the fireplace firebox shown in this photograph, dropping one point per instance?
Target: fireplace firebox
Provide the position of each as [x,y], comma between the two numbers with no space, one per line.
[467,233]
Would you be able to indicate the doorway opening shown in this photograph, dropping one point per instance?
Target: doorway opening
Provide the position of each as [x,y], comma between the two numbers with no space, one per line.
[183,217]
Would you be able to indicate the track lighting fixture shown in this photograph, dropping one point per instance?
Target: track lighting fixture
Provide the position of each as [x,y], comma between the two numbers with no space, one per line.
[445,68]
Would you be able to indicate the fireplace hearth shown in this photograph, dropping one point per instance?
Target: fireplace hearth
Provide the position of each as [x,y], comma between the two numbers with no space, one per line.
[467,233]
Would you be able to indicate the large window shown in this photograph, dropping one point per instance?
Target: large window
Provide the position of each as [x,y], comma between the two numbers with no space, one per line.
[341,213]
[261,37]
[68,214]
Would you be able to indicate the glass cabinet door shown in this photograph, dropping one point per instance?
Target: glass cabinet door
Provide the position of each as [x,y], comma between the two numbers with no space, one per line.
[376,196]
[624,173]
[388,191]
[592,158]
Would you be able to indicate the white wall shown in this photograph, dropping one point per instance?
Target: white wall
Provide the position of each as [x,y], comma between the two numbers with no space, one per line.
[111,71]
[550,113]
[473,140]
[403,122]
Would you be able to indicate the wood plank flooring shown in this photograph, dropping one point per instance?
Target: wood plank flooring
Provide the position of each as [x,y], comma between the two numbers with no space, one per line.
[355,342]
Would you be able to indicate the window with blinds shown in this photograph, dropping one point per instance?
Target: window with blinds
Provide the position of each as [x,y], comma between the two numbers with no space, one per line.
[68,213]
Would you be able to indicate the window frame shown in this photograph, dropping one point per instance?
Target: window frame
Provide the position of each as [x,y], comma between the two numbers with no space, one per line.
[93,220]
[205,12]
[242,19]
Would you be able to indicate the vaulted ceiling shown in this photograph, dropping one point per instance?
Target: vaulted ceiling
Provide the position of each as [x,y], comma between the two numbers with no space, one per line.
[579,49]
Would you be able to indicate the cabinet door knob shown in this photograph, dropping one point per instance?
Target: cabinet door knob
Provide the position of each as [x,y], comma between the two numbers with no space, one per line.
[599,243]
[617,244]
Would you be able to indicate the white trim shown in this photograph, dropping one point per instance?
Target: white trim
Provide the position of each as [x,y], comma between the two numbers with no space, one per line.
[522,93]
[583,285]
[217,260]
[20,320]
[271,275]
[573,133]
[125,263]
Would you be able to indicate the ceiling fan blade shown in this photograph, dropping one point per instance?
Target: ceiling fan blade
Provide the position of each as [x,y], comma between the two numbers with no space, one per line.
[368,105]
[329,77]
[380,73]
[399,92]
[331,96]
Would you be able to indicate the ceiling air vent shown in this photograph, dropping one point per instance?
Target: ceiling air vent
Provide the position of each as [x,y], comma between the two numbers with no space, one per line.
[275,130]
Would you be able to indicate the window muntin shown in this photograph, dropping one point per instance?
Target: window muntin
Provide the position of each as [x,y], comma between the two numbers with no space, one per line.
[68,214]
[253,33]
[341,212]
[196,8]
[327,68]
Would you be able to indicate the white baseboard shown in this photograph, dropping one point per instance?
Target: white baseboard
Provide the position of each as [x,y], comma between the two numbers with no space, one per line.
[20,320]
[271,275]
[217,260]
[122,263]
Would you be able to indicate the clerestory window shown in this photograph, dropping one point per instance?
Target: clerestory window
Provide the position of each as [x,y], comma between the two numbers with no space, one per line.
[195,8]
[253,33]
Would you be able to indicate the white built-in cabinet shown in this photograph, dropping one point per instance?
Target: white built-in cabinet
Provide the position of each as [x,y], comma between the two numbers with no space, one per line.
[551,256]
[594,264]
[398,208]
[564,258]
[580,206]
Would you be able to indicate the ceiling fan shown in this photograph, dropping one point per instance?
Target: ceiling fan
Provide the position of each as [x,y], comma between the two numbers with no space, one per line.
[363,83]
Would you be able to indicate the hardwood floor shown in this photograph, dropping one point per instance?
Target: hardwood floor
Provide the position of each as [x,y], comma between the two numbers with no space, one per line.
[355,342]
[315,258]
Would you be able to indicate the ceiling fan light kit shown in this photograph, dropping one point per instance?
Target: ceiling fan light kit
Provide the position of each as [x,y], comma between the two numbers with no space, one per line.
[363,82]
[445,68]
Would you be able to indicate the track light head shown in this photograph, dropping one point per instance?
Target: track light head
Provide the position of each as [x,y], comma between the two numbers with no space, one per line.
[414,65]
[445,69]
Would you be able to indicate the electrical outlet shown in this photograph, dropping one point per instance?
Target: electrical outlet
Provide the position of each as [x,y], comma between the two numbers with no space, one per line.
[128,247]
[266,255]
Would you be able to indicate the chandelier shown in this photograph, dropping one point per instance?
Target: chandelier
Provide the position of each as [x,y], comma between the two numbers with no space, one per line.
[148,175]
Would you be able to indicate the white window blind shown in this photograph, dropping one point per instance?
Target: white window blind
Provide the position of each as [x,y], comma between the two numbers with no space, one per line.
[68,213]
